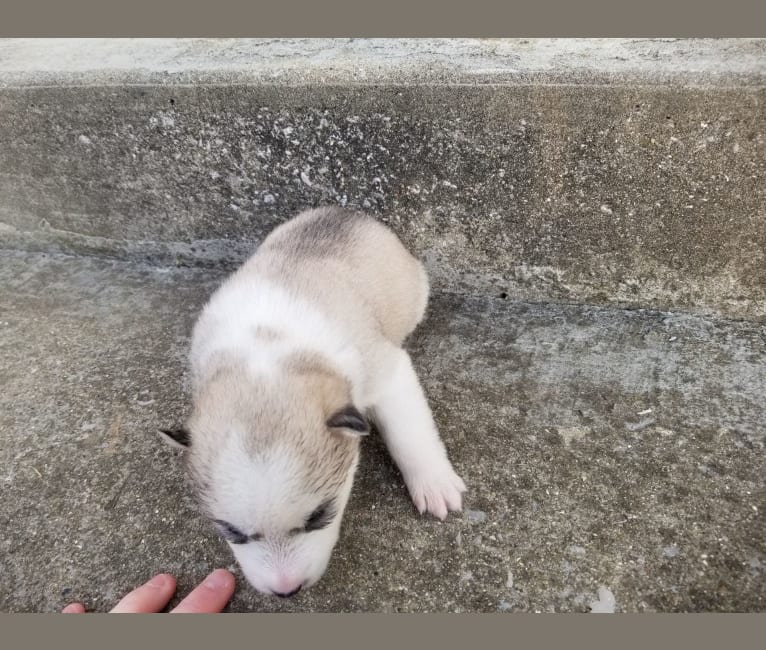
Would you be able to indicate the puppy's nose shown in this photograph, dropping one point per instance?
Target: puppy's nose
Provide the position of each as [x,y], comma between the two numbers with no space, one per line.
[287,595]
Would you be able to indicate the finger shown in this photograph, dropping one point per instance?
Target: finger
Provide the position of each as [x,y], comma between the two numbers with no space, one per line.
[209,597]
[148,598]
[74,608]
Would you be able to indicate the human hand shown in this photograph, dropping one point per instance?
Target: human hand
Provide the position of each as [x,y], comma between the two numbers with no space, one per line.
[209,597]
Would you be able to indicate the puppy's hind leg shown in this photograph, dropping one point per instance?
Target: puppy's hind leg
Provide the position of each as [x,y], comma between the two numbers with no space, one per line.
[408,429]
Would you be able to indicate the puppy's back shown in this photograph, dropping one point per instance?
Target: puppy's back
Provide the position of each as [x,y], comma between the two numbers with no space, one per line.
[354,267]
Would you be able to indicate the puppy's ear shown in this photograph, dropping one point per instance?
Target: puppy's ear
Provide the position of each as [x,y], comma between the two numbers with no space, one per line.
[349,420]
[179,437]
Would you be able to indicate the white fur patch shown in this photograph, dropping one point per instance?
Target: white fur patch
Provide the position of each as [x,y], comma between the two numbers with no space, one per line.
[229,321]
[265,495]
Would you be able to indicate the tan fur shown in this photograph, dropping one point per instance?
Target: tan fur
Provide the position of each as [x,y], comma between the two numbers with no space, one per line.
[264,333]
[357,261]
[350,267]
[292,411]
[287,356]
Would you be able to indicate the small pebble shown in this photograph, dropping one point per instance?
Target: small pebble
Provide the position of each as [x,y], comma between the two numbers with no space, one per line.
[605,603]
[671,551]
[476,516]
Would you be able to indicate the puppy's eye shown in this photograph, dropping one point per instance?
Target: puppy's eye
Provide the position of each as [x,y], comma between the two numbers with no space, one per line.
[232,534]
[320,518]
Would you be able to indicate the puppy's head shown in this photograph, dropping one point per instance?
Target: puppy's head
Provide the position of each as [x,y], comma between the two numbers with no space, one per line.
[272,460]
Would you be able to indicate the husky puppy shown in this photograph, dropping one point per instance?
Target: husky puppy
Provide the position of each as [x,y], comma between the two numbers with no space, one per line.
[288,358]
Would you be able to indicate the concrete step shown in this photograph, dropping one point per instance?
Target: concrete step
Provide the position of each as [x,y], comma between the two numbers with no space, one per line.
[602,448]
[592,217]
[623,172]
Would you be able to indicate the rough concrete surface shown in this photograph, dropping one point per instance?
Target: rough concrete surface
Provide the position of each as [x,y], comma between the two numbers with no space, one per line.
[613,457]
[110,61]
[632,172]
[591,213]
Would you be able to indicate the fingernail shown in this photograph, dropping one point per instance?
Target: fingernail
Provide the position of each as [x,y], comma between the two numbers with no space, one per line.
[217,580]
[158,581]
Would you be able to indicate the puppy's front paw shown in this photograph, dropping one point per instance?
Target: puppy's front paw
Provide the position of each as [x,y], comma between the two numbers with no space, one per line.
[436,490]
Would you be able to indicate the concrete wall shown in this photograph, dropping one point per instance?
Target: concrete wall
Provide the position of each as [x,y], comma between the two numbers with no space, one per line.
[627,172]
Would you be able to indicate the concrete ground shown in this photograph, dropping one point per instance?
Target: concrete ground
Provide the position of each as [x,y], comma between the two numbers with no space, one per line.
[604,449]
[591,213]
